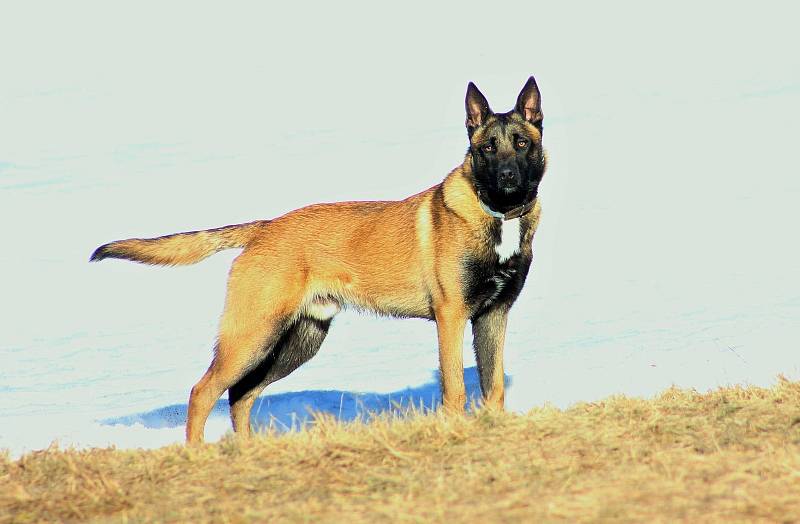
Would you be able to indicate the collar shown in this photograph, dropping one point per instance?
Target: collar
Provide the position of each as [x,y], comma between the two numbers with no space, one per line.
[508,215]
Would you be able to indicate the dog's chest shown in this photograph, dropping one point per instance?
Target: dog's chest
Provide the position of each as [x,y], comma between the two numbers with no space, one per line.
[510,238]
[499,278]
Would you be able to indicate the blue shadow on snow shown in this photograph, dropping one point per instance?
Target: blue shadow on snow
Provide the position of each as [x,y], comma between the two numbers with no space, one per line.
[286,411]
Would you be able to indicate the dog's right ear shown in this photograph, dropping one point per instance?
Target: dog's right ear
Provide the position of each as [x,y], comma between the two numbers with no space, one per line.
[477,108]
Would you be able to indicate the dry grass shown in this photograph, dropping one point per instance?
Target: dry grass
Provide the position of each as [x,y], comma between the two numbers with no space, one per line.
[729,455]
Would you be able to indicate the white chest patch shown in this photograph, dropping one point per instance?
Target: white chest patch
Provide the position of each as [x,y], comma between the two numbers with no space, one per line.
[509,239]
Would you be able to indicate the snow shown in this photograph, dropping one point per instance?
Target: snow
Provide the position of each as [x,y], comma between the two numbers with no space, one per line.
[667,250]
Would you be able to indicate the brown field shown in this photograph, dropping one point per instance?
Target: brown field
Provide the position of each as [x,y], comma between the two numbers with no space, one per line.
[728,455]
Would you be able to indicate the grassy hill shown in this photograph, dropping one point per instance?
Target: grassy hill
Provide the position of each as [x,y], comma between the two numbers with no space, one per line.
[728,455]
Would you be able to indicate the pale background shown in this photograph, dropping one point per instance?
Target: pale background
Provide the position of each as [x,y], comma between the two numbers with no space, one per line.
[667,253]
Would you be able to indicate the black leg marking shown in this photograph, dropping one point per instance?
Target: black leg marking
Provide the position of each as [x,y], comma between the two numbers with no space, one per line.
[298,344]
[488,331]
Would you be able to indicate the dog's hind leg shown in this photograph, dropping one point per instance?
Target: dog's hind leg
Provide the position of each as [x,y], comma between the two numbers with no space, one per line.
[257,307]
[298,344]
[232,361]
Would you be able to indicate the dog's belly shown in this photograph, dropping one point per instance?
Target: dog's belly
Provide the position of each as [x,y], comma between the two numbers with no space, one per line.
[411,305]
[393,298]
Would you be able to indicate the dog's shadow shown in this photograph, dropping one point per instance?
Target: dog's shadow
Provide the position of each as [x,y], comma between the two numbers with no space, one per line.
[286,411]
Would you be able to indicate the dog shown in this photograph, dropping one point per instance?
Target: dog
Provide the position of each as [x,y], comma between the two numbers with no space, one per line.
[457,252]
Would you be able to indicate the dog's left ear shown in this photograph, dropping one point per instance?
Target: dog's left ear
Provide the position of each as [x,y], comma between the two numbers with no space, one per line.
[529,103]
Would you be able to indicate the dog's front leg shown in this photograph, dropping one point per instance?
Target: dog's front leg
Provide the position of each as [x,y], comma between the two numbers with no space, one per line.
[489,333]
[450,323]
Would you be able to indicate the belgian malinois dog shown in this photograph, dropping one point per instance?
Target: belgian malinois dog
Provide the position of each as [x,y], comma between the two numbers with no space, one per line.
[458,251]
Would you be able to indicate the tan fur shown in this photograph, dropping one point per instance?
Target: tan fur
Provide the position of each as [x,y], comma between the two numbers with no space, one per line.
[384,257]
[495,334]
[400,258]
[180,248]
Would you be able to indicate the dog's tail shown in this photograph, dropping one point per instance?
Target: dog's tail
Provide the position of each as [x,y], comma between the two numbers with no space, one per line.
[180,248]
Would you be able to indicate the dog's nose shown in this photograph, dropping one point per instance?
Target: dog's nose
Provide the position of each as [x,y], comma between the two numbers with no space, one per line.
[506,177]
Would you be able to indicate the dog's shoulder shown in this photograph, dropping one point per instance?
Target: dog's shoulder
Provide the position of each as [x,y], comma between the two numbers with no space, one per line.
[454,210]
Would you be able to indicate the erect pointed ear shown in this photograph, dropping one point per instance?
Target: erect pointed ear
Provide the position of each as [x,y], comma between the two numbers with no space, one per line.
[529,103]
[477,108]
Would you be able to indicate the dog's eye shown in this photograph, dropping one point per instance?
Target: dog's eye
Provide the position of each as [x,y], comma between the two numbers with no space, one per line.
[521,143]
[489,148]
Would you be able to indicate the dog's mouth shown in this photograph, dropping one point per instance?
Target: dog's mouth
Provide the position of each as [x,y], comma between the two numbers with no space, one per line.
[509,190]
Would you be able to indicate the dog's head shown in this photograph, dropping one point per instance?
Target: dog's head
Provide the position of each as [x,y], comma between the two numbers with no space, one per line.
[508,161]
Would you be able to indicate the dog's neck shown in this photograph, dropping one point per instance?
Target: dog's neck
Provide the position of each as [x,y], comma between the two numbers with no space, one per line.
[516,212]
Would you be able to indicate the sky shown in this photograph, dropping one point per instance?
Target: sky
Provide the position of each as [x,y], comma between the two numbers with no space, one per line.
[670,203]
